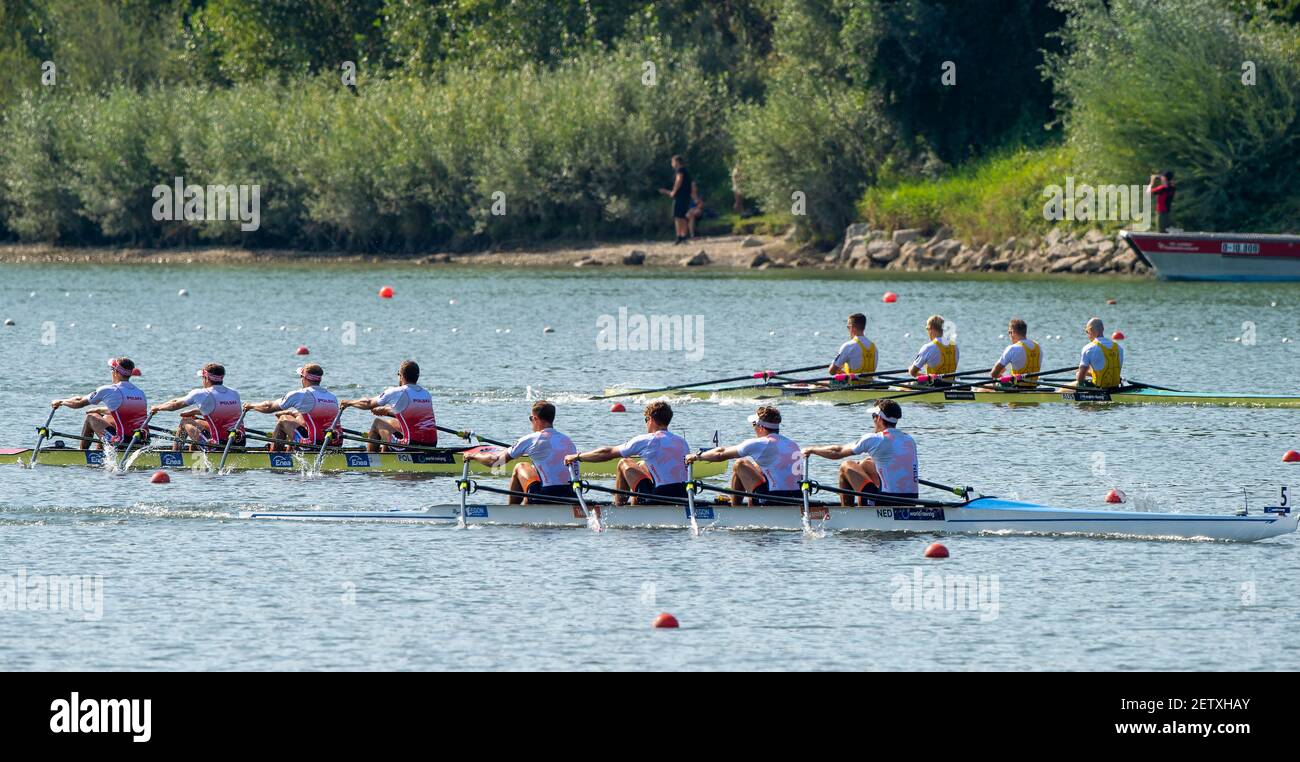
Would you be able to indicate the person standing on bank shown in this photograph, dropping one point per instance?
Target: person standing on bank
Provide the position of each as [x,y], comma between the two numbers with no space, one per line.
[1162,187]
[680,193]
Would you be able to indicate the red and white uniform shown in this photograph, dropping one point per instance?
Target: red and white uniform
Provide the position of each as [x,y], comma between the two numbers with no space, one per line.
[414,409]
[127,405]
[318,408]
[219,409]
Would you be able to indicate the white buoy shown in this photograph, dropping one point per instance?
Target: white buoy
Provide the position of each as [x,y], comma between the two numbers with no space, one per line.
[452,302]
[198,328]
[455,330]
[507,330]
[548,329]
[281,328]
[326,329]
[148,326]
[32,295]
[9,321]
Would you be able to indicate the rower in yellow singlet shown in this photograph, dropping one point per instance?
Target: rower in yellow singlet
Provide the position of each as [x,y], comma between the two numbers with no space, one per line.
[1102,360]
[1022,356]
[936,362]
[857,355]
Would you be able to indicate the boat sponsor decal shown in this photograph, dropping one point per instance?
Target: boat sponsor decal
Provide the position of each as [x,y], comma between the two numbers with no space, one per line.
[578,514]
[1240,248]
[171,460]
[818,513]
[94,457]
[960,394]
[281,460]
[476,511]
[702,513]
[1088,395]
[435,458]
[911,514]
[358,460]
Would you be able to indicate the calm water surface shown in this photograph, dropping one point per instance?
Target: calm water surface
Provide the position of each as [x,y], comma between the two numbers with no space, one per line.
[186,585]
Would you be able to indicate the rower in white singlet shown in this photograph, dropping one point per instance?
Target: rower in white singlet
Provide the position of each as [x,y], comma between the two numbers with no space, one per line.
[546,475]
[768,464]
[123,413]
[857,356]
[661,472]
[1102,359]
[1022,357]
[215,414]
[408,411]
[303,417]
[890,467]
[936,362]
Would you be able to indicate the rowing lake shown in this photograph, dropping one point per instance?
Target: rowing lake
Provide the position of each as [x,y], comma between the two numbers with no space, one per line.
[186,585]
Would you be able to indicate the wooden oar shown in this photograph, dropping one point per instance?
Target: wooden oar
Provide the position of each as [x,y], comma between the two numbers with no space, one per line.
[44,431]
[135,436]
[230,437]
[329,436]
[758,374]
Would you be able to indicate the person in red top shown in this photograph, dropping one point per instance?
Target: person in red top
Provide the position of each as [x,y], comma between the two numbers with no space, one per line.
[1162,187]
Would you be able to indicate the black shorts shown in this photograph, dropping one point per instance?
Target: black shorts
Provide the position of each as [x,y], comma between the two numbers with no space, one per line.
[648,488]
[551,490]
[789,493]
[680,207]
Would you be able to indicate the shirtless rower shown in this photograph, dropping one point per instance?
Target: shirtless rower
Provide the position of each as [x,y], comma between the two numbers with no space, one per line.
[936,362]
[546,475]
[1102,359]
[857,355]
[303,416]
[403,413]
[1022,357]
[768,464]
[661,472]
[890,467]
[215,414]
[124,408]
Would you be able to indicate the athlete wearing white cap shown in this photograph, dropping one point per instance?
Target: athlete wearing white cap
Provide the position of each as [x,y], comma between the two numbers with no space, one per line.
[768,464]
[661,472]
[890,467]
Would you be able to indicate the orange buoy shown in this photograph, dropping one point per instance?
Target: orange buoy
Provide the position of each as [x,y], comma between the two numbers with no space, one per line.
[160,477]
[665,621]
[936,550]
[303,351]
[889,298]
[386,292]
[1291,456]
[617,407]
[136,372]
[1117,336]
[1115,496]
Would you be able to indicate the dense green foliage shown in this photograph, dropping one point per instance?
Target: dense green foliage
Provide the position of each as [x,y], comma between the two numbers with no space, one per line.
[568,110]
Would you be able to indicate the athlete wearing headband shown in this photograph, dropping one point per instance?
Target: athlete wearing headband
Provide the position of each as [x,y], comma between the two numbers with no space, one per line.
[890,466]
[304,417]
[124,408]
[214,415]
[768,464]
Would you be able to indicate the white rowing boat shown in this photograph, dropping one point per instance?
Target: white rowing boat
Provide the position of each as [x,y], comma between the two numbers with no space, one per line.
[981,515]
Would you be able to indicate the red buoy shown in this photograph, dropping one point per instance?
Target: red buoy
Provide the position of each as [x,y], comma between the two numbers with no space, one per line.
[136,372]
[936,550]
[1115,496]
[1117,336]
[889,298]
[1111,301]
[617,407]
[665,621]
[1291,456]
[386,292]
[160,477]
[303,351]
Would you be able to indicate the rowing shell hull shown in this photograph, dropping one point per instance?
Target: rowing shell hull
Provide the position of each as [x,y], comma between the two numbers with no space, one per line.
[444,462]
[799,392]
[983,515]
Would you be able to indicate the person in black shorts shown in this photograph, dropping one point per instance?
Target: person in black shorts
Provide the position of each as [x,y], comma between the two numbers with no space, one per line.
[680,193]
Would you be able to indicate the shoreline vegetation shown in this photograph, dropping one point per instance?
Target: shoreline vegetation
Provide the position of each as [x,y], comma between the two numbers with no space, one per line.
[872,134]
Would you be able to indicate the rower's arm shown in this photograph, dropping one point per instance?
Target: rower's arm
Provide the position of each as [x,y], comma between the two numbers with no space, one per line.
[489,458]
[362,404]
[169,406]
[73,402]
[830,452]
[266,406]
[384,410]
[833,369]
[1082,374]
[715,455]
[997,370]
[598,455]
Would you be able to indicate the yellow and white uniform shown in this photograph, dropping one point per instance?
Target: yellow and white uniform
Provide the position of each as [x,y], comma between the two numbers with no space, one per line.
[1105,358]
[938,357]
[1023,357]
[857,355]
